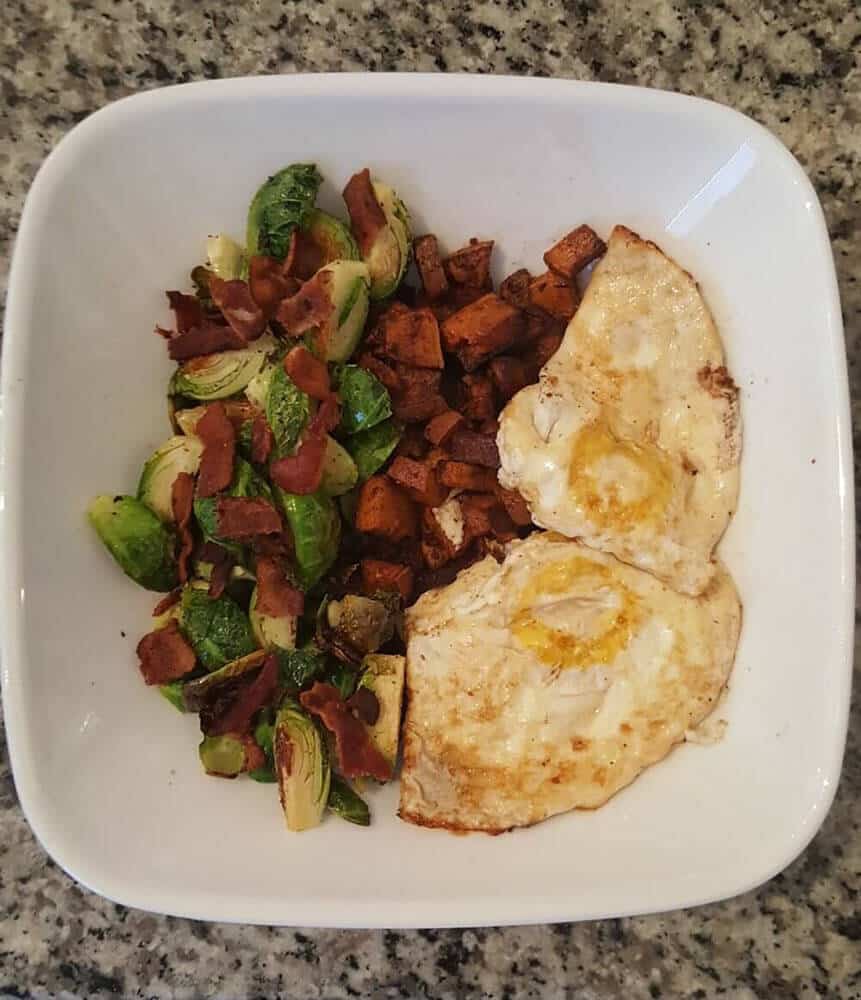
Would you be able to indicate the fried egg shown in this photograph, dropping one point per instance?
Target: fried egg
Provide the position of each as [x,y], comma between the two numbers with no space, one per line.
[630,440]
[549,681]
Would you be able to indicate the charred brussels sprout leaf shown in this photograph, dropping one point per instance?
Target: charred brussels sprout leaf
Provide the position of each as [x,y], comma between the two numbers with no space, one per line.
[217,628]
[365,401]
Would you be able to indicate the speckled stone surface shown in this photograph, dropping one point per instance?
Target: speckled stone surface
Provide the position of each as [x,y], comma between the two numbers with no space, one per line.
[792,66]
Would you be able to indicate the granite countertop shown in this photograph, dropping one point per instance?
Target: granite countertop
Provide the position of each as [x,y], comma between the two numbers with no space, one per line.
[795,68]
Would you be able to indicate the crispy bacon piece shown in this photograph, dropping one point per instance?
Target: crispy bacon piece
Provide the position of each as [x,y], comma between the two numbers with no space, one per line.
[429,266]
[262,439]
[310,307]
[219,450]
[411,336]
[187,310]
[379,575]
[205,339]
[269,284]
[167,602]
[240,310]
[181,502]
[248,700]
[219,577]
[471,265]
[574,251]
[301,473]
[165,655]
[367,218]
[357,754]
[245,517]
[307,372]
[476,449]
[276,596]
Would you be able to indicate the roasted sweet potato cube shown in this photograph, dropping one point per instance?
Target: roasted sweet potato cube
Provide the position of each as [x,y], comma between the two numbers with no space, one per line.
[573,252]
[418,397]
[381,576]
[476,509]
[441,428]
[515,288]
[384,509]
[385,373]
[412,443]
[508,375]
[556,296]
[411,336]
[476,394]
[419,480]
[539,353]
[471,264]
[482,329]
[515,506]
[475,449]
[429,266]
[463,476]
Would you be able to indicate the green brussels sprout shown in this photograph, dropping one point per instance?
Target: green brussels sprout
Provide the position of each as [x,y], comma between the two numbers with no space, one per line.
[264,733]
[298,667]
[287,410]
[342,678]
[390,255]
[360,623]
[346,803]
[225,257]
[371,449]
[302,767]
[258,388]
[340,474]
[137,539]
[340,336]
[175,694]
[217,628]
[332,236]
[224,756]
[222,374]
[272,632]
[178,454]
[186,419]
[316,528]
[384,675]
[247,482]
[195,691]
[282,203]
[365,401]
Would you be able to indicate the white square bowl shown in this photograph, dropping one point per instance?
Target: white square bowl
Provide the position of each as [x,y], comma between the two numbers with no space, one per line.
[108,775]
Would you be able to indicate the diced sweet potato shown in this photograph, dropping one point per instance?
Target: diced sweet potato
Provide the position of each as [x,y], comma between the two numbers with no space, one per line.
[429,266]
[515,288]
[476,392]
[573,252]
[508,375]
[419,480]
[489,428]
[482,329]
[463,476]
[471,264]
[502,527]
[440,543]
[386,374]
[476,509]
[411,336]
[554,295]
[538,354]
[515,506]
[474,449]
[384,509]
[380,576]
[441,428]
[412,443]
[418,397]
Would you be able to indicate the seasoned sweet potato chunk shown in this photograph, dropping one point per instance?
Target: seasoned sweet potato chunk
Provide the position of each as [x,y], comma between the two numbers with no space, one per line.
[482,329]
[574,251]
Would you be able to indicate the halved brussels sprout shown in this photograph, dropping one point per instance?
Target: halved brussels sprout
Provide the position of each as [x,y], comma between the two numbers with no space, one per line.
[137,539]
[236,409]
[339,337]
[365,401]
[298,667]
[390,255]
[178,454]
[340,474]
[225,756]
[302,767]
[348,804]
[384,675]
[360,624]
[258,387]
[196,690]
[316,528]
[282,203]
[175,694]
[271,631]
[225,257]
[332,236]
[371,449]
[287,410]
[247,482]
[216,376]
[217,628]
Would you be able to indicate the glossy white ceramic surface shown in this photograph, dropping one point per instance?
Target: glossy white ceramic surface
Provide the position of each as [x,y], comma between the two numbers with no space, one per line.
[108,773]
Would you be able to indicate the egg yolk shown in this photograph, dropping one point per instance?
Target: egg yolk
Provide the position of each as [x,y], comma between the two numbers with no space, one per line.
[601,612]
[619,483]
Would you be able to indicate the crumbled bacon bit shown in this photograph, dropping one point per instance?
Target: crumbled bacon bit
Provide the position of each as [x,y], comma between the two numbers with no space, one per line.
[357,754]
[165,655]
